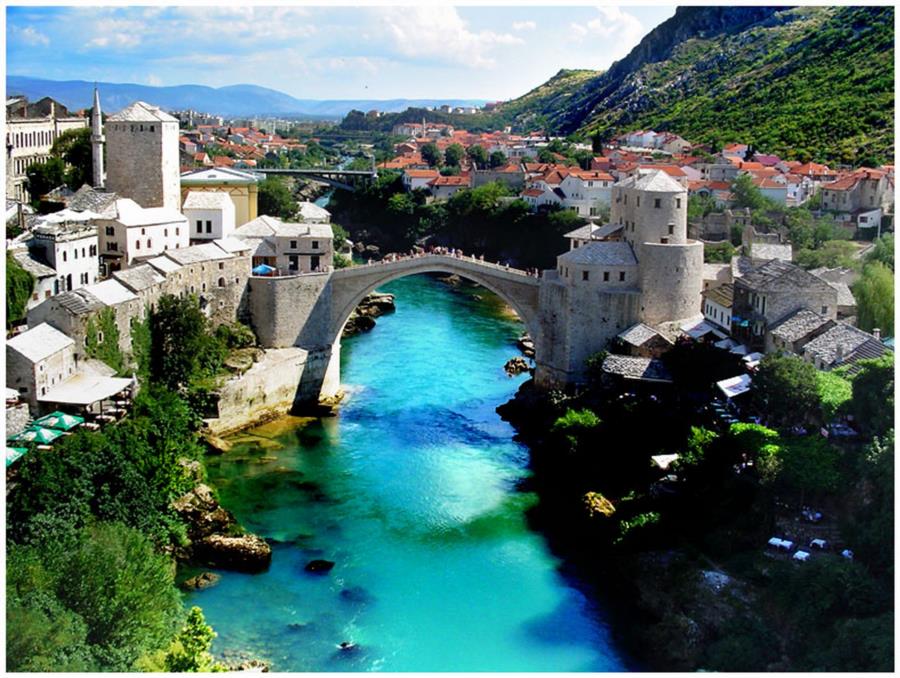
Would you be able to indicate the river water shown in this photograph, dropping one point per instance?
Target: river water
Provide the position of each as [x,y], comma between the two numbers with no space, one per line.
[412,491]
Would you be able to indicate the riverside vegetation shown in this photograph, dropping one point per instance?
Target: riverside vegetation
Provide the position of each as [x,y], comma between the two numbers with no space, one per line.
[91,528]
[697,589]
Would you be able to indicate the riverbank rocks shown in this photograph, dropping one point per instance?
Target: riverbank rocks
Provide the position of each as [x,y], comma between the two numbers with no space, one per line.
[319,566]
[202,514]
[362,319]
[201,581]
[516,365]
[453,280]
[526,345]
[215,444]
[246,553]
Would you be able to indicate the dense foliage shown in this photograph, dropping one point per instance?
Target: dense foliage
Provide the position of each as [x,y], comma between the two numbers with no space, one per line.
[19,286]
[785,388]
[874,294]
[483,220]
[275,199]
[101,339]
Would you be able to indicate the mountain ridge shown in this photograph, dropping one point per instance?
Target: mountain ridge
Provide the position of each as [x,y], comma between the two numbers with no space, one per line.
[230,100]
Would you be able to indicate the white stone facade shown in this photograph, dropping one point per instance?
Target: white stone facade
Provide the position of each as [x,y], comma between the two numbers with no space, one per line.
[210,215]
[71,250]
[139,233]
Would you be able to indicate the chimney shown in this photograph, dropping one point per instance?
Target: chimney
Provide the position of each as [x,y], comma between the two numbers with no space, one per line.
[839,354]
[877,333]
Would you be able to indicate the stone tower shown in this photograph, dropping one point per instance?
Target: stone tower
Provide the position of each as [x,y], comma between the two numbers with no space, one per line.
[97,140]
[143,156]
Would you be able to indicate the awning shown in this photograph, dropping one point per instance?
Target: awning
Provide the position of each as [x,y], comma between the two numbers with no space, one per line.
[740,349]
[726,344]
[697,330]
[11,394]
[14,453]
[734,386]
[263,269]
[663,460]
[85,389]
[59,421]
[752,357]
[41,436]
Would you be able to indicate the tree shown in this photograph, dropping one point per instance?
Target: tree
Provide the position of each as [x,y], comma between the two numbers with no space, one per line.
[189,652]
[883,251]
[454,154]
[182,348]
[275,199]
[497,159]
[74,147]
[809,465]
[574,425]
[746,194]
[830,254]
[19,286]
[834,394]
[546,155]
[785,390]
[431,154]
[872,402]
[478,155]
[699,206]
[874,294]
[43,177]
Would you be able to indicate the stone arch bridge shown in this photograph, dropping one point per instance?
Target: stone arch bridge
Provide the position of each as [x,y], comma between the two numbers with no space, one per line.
[309,311]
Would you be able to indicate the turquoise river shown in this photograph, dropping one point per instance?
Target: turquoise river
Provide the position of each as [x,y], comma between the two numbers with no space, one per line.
[412,490]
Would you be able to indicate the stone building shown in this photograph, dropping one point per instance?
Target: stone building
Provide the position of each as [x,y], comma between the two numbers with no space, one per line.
[70,248]
[290,248]
[31,130]
[653,275]
[771,292]
[142,155]
[129,231]
[45,281]
[38,360]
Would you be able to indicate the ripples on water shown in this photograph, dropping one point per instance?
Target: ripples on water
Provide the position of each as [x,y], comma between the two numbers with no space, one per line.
[411,491]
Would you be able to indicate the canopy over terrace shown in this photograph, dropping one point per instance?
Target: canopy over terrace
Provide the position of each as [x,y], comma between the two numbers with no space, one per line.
[734,386]
[85,389]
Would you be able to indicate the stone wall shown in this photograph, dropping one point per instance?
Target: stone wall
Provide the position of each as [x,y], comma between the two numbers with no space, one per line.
[143,162]
[17,418]
[671,281]
[291,310]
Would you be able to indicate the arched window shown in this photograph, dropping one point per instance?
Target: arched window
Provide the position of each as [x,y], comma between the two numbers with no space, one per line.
[221,282]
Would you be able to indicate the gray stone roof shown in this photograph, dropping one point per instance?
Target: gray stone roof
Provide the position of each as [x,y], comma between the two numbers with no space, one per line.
[582,232]
[206,200]
[800,324]
[90,199]
[844,294]
[741,266]
[643,369]
[79,301]
[780,276]
[654,181]
[841,344]
[601,254]
[39,342]
[217,175]
[197,254]
[32,265]
[723,295]
[139,278]
[640,334]
[141,111]
[764,250]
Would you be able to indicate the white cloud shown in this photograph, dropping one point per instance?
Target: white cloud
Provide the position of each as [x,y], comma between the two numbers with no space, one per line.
[618,28]
[31,36]
[524,25]
[436,33]
[111,32]
[154,80]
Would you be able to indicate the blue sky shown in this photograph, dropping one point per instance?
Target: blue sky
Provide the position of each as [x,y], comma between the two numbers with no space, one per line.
[373,52]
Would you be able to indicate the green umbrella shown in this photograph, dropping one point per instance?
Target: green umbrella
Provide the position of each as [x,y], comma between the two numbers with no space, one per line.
[42,436]
[60,421]
[13,454]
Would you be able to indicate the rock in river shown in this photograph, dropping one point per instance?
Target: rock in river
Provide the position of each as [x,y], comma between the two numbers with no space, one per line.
[247,553]
[319,566]
[202,513]
[201,581]
[516,365]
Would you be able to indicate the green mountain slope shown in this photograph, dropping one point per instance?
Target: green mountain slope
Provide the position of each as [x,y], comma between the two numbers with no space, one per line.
[810,83]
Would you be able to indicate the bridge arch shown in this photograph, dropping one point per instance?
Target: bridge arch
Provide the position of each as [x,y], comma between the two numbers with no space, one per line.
[516,288]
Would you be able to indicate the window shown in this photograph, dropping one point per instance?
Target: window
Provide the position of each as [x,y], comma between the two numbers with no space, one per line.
[199,226]
[137,244]
[110,230]
[203,287]
[93,250]
[315,244]
[639,201]
[621,276]
[177,232]
[149,243]
[221,265]
[74,254]
[143,231]
[584,275]
[824,310]
[165,233]
[293,244]
[605,276]
[678,203]
[626,199]
[99,337]
[83,252]
[65,256]
[657,203]
[111,247]
[671,229]
[34,297]
[221,282]
[208,226]
[152,128]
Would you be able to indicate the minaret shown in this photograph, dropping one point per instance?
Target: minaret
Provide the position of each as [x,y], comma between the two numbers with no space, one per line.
[97,141]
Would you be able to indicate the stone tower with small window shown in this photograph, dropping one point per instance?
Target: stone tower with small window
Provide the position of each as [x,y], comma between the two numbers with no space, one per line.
[143,156]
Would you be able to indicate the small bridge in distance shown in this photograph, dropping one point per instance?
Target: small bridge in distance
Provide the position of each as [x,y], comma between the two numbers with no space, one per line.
[348,180]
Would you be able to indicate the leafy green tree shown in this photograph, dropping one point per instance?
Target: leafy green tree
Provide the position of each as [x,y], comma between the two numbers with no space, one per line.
[883,251]
[275,199]
[102,339]
[478,155]
[785,390]
[183,349]
[870,525]
[19,286]
[43,177]
[831,254]
[431,154]
[718,253]
[699,206]
[454,154]
[497,159]
[872,402]
[574,424]
[546,155]
[746,194]
[874,294]
[834,393]
[189,652]
[74,147]
[809,466]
